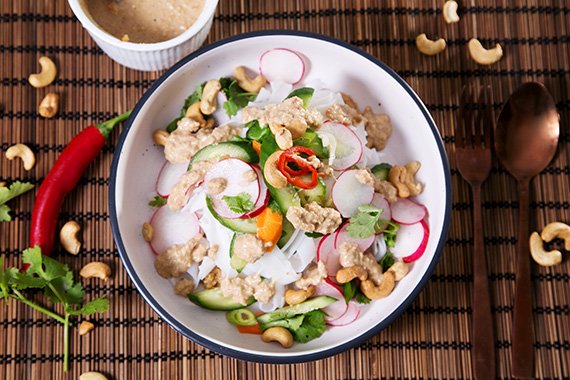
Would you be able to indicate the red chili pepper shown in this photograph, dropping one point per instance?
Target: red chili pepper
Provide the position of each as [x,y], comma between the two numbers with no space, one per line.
[296,176]
[63,177]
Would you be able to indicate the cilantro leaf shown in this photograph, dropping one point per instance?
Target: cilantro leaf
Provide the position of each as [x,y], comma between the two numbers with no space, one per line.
[366,222]
[387,261]
[313,326]
[157,201]
[194,97]
[236,96]
[349,290]
[45,267]
[240,203]
[390,234]
[361,298]
[98,305]
[255,131]
[24,280]
[7,193]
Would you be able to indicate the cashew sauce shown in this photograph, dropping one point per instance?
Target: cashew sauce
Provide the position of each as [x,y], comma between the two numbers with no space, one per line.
[144,21]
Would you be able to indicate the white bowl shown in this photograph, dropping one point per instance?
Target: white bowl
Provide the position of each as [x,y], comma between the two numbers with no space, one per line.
[148,57]
[342,67]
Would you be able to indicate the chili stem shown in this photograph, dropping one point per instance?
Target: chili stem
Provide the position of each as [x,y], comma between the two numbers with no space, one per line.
[20,297]
[107,126]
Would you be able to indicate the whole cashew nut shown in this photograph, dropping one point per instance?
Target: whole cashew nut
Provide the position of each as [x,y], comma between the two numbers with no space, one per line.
[46,76]
[24,153]
[49,105]
[208,103]
[400,270]
[384,288]
[159,137]
[92,375]
[273,176]
[68,237]
[193,112]
[85,327]
[450,12]
[402,177]
[429,47]
[96,269]
[278,334]
[294,297]
[348,274]
[147,231]
[283,138]
[250,85]
[542,257]
[484,56]
[557,230]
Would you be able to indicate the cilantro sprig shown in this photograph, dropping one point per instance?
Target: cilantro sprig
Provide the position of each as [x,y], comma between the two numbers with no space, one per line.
[304,327]
[7,193]
[194,97]
[240,203]
[56,281]
[157,201]
[237,97]
[366,222]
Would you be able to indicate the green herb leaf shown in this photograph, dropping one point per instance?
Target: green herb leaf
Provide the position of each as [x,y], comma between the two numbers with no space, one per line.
[236,96]
[157,201]
[288,323]
[313,326]
[240,203]
[194,97]
[98,305]
[305,93]
[349,290]
[24,280]
[314,235]
[366,222]
[387,261]
[255,131]
[7,193]
[361,298]
[390,234]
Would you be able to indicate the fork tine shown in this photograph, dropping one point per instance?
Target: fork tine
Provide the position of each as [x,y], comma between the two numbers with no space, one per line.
[481,122]
[489,124]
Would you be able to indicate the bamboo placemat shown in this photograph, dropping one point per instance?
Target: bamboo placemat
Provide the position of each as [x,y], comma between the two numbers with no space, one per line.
[431,340]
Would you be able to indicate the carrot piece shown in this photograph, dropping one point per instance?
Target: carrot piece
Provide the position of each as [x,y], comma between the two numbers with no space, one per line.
[253,329]
[256,146]
[269,227]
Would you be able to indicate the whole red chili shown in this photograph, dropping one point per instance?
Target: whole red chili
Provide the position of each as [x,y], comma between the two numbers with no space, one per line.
[63,177]
[295,176]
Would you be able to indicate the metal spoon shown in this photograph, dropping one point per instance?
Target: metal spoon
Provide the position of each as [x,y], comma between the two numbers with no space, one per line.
[526,138]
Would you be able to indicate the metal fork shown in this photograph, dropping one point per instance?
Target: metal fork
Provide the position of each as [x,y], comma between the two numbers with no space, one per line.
[473,132]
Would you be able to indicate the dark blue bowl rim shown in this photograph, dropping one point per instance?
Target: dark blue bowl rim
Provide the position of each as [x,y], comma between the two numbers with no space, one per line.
[182,329]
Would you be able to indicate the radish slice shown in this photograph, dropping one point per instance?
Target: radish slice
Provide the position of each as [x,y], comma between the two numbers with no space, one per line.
[335,309]
[235,172]
[348,193]
[172,228]
[282,65]
[405,211]
[342,237]
[411,241]
[381,202]
[328,254]
[169,176]
[348,149]
[263,199]
[352,312]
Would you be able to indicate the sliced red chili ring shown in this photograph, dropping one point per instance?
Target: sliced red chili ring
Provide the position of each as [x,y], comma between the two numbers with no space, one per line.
[293,175]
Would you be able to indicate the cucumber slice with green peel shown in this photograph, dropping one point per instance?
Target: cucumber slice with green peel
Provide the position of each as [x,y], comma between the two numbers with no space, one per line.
[286,233]
[235,262]
[381,171]
[316,194]
[293,310]
[234,149]
[286,197]
[246,226]
[213,299]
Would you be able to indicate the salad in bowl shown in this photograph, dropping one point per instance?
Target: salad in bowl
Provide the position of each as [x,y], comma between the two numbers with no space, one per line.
[277,206]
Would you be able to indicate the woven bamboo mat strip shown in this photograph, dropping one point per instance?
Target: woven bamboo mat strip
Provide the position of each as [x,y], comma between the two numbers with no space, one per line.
[431,340]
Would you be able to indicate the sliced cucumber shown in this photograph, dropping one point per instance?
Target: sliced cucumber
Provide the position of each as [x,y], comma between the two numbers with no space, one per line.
[246,226]
[213,299]
[286,197]
[286,233]
[381,171]
[233,149]
[235,262]
[316,194]
[293,310]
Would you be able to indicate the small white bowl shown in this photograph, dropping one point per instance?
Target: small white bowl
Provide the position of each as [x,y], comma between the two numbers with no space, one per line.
[342,67]
[153,56]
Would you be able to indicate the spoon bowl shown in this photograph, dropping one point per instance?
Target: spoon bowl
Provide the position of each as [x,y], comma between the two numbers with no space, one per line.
[526,138]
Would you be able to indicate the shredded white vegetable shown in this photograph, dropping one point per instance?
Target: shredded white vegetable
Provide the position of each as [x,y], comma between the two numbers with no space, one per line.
[273,265]
[222,236]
